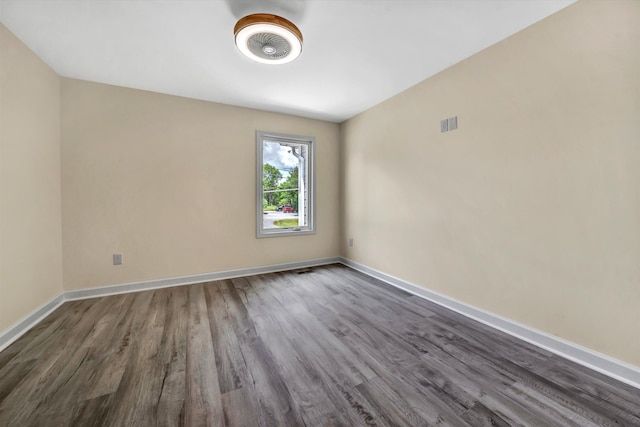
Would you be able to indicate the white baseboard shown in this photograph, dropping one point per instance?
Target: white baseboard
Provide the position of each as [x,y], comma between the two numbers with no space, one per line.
[145,285]
[17,329]
[602,363]
[14,332]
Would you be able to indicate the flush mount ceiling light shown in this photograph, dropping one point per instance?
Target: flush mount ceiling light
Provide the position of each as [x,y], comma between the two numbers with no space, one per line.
[267,38]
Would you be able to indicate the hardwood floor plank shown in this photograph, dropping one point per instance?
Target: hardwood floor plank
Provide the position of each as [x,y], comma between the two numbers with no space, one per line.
[400,361]
[547,408]
[128,362]
[11,378]
[276,403]
[34,336]
[486,340]
[239,408]
[481,416]
[224,308]
[56,334]
[383,297]
[599,412]
[392,407]
[226,316]
[301,377]
[473,383]
[421,394]
[110,352]
[18,403]
[324,346]
[324,380]
[321,341]
[596,387]
[170,406]
[90,413]
[203,402]
[57,372]
[7,356]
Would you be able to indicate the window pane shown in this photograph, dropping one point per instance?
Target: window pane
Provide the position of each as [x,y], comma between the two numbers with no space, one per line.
[285,185]
[281,185]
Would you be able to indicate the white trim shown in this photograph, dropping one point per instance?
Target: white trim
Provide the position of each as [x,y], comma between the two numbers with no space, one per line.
[15,331]
[189,280]
[8,336]
[602,363]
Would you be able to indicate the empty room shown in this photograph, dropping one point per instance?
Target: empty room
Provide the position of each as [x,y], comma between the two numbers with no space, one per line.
[319,213]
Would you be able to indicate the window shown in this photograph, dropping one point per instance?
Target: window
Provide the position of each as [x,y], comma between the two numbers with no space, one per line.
[285,182]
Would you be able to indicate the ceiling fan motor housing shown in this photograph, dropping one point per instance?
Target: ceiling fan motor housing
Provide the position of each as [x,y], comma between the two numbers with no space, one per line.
[267,38]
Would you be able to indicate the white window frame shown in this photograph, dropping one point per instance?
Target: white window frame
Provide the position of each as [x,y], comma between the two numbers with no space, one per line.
[310,142]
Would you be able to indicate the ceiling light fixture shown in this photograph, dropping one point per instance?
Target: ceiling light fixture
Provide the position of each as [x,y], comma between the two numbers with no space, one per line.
[267,38]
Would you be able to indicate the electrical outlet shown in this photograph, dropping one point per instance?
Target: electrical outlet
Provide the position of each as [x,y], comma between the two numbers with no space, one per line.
[350,242]
[453,122]
[117,259]
[444,125]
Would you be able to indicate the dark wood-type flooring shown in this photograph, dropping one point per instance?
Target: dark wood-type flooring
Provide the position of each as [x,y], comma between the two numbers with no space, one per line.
[325,346]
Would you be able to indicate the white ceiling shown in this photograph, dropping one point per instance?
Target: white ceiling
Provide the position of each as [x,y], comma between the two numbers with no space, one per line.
[356,53]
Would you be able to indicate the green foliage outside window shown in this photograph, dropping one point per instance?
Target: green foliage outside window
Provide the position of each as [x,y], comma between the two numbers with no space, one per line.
[287,193]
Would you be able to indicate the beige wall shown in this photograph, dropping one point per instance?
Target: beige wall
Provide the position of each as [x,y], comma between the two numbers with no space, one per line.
[169,182]
[30,214]
[531,209]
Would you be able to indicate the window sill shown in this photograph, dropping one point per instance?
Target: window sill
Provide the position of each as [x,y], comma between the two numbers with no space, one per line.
[285,232]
